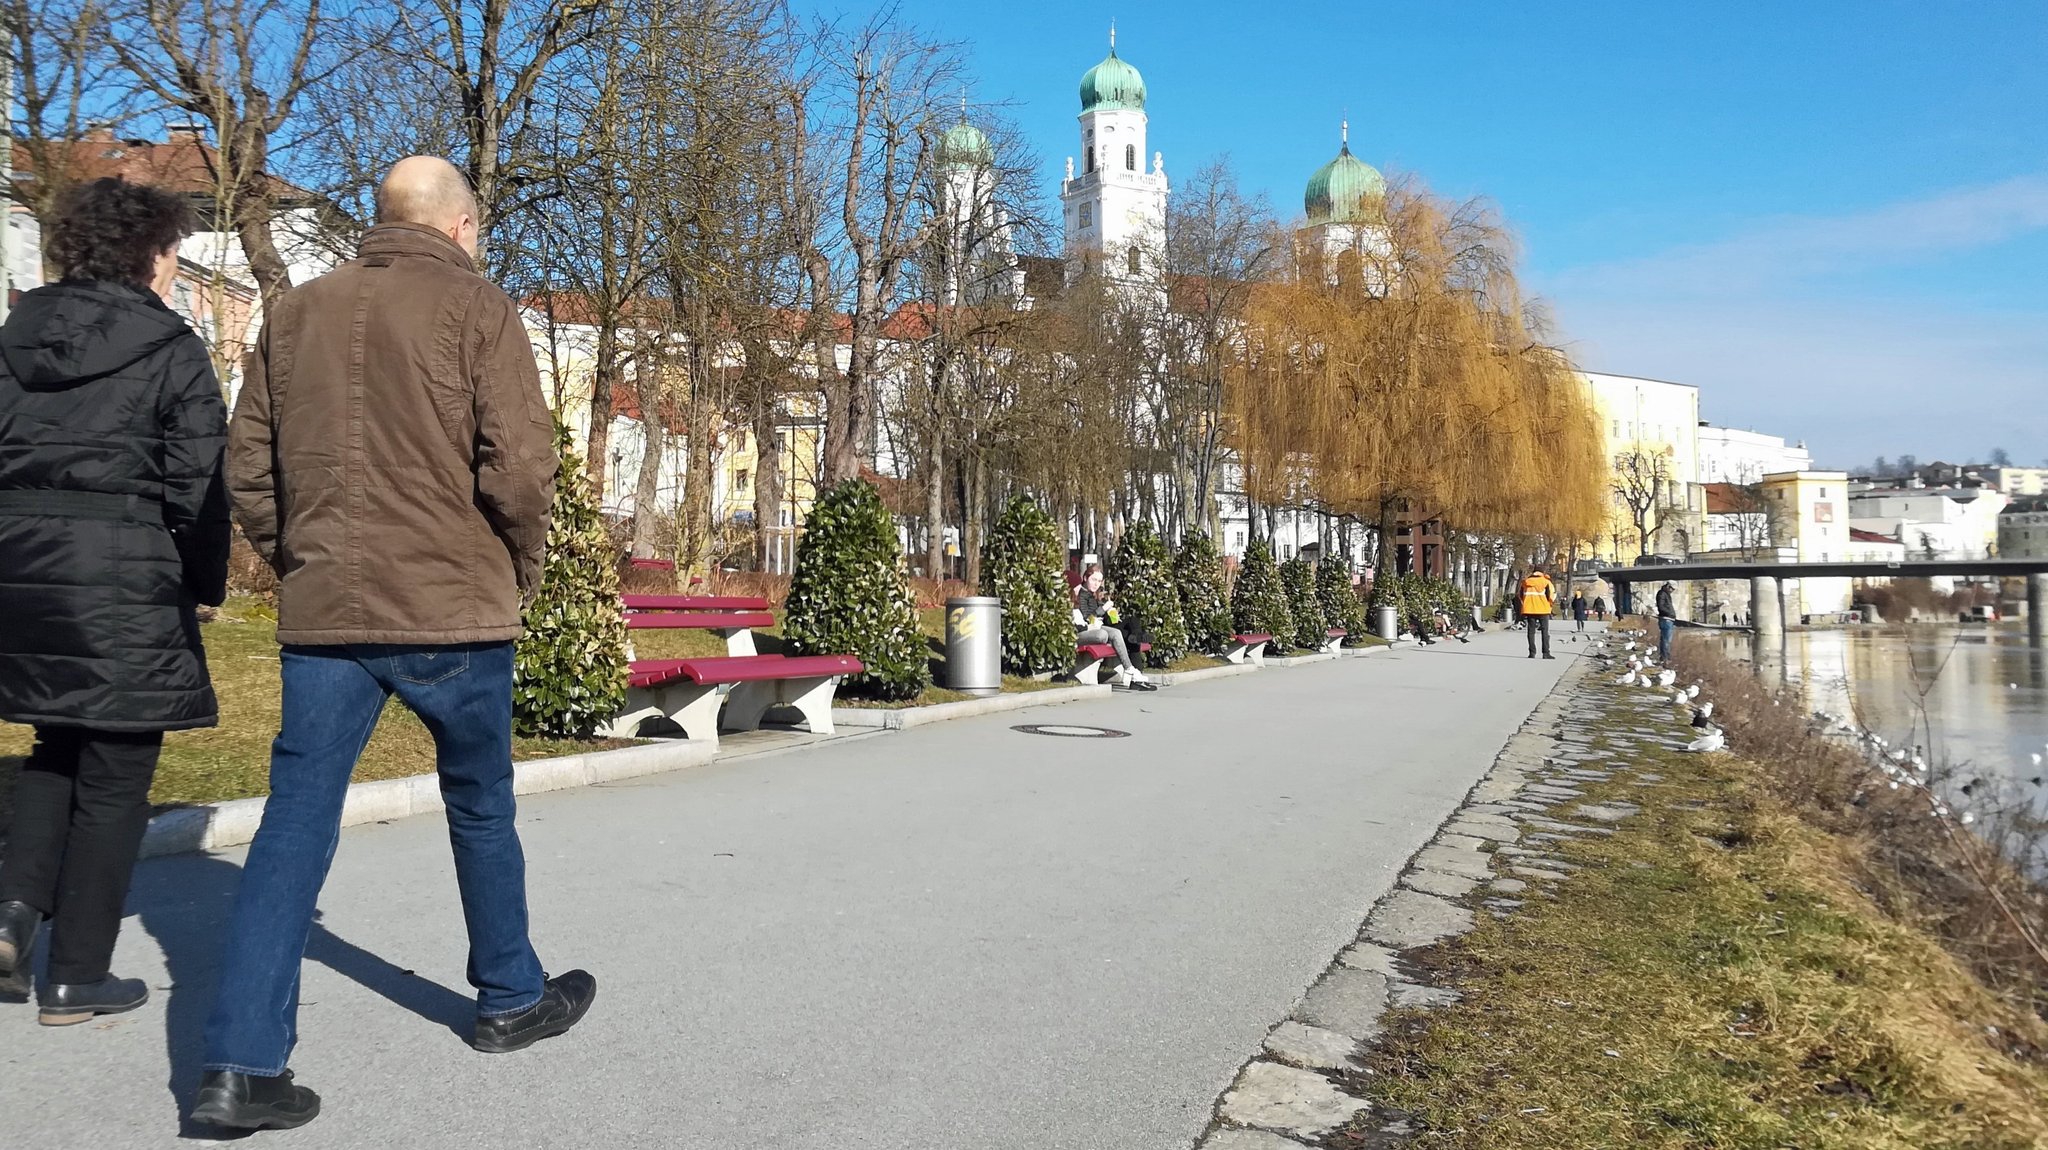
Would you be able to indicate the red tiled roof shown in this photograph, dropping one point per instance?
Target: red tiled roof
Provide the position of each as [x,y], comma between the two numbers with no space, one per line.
[1858,535]
[182,164]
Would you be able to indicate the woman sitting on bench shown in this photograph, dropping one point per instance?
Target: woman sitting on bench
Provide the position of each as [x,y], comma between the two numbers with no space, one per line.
[1095,616]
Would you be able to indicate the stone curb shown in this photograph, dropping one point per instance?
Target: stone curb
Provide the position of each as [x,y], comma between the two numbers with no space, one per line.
[1178,678]
[1304,660]
[232,823]
[899,718]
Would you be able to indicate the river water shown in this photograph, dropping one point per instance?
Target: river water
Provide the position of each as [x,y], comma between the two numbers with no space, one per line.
[1973,696]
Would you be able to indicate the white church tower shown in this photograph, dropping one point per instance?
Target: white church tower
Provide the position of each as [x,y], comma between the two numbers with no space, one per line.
[1116,204]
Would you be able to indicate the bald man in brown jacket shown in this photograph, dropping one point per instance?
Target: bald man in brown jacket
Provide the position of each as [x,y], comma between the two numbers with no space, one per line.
[392,459]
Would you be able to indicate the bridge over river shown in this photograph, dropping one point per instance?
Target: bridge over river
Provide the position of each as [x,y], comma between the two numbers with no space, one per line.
[1766,608]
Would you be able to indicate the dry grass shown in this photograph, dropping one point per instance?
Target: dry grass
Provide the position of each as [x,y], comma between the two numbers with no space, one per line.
[1715,976]
[1971,888]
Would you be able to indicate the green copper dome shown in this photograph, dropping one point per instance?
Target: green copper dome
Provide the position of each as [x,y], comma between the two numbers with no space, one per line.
[1343,191]
[1112,84]
[965,144]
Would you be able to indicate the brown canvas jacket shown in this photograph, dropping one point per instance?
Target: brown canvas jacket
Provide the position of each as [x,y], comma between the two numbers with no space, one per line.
[391,455]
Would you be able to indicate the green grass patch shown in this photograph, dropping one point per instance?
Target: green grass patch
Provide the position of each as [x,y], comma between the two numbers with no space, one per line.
[1712,977]
[232,760]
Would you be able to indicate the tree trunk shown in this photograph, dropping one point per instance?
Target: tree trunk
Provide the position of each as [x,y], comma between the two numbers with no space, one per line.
[1383,563]
[604,374]
[768,480]
[693,551]
[935,506]
[647,493]
[975,514]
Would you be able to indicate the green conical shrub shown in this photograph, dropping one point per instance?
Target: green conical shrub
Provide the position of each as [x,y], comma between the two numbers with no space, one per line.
[569,665]
[1021,563]
[1204,608]
[1298,579]
[1141,574]
[1341,608]
[849,595]
[1258,604]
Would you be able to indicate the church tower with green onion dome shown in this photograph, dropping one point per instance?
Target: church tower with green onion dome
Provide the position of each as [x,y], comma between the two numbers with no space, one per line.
[1115,205]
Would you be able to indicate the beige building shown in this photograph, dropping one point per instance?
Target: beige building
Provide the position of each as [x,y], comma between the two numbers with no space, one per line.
[1652,433]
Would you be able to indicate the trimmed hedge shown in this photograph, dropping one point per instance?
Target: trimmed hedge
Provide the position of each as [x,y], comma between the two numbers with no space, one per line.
[849,595]
[1258,604]
[569,665]
[1142,571]
[1340,604]
[1021,561]
[1204,606]
[1298,579]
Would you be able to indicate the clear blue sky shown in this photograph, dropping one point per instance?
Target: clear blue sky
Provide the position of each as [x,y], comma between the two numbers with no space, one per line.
[1832,217]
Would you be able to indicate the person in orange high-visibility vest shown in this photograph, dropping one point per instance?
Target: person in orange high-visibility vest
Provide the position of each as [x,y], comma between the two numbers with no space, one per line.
[1539,599]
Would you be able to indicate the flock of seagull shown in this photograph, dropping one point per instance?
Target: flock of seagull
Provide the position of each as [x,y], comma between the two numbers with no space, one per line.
[1641,670]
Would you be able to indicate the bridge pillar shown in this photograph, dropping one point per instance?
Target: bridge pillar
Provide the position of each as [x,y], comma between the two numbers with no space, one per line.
[1766,610]
[2037,609]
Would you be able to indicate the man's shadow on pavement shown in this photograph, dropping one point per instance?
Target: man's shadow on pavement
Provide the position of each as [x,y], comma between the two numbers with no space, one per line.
[184,902]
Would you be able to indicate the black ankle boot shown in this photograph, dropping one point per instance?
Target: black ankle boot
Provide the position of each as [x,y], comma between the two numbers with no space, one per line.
[253,1102]
[67,1004]
[564,1000]
[18,924]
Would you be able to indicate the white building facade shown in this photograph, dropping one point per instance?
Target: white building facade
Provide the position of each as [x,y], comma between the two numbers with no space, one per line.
[1115,206]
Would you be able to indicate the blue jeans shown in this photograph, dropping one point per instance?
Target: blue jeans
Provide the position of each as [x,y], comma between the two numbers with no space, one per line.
[332,697]
[1664,629]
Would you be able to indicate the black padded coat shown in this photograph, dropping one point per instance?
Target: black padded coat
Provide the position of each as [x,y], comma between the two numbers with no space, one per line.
[113,513]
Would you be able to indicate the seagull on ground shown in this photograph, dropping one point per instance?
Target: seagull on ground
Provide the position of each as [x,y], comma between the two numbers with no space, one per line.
[1713,740]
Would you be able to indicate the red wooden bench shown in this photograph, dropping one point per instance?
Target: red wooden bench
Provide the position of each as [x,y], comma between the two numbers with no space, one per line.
[1247,647]
[1089,657]
[735,690]
[734,617]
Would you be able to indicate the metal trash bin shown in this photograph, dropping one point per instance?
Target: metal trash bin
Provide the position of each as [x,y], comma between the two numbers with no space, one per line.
[1386,623]
[974,644]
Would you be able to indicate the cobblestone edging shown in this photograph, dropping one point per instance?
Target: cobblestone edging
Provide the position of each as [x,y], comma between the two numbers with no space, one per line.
[1486,857]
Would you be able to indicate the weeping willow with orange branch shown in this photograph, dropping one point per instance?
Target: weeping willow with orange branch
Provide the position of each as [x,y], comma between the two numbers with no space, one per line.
[1405,373]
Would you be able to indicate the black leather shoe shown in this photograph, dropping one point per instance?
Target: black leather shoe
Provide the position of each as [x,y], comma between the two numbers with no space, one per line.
[18,924]
[252,1102]
[70,1003]
[562,1005]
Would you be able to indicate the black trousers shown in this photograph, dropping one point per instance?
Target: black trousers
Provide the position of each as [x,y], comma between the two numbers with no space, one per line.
[80,807]
[1538,623]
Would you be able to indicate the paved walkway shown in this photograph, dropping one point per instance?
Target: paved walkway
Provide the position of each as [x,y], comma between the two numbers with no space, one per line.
[953,937]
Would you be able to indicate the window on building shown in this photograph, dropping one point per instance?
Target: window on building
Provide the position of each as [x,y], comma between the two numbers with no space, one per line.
[1132,260]
[1087,215]
[1239,537]
[1088,161]
[1130,157]
[1617,429]
[739,481]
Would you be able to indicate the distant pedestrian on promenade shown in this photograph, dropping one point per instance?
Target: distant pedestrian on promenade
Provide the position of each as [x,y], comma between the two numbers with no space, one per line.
[1600,608]
[1667,622]
[392,458]
[1579,609]
[1538,600]
[114,528]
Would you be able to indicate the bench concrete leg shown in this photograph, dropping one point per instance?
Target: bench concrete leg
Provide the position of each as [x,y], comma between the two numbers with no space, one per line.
[812,698]
[1332,646]
[1257,654]
[739,643]
[1235,654]
[688,705]
[1087,669]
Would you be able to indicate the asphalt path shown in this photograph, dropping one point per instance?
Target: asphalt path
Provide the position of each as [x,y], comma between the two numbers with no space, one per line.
[958,936]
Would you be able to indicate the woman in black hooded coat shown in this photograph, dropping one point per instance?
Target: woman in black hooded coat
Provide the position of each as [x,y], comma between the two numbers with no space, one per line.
[113,529]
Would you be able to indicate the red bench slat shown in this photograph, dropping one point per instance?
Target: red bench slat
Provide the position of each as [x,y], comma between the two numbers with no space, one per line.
[694,602]
[1337,632]
[712,671]
[1248,640]
[698,620]
[1103,650]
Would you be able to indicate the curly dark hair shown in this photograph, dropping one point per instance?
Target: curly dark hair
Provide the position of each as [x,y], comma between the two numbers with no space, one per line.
[110,229]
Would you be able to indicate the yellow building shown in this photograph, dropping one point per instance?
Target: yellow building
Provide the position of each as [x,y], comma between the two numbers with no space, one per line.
[1652,435]
[1810,523]
[801,434]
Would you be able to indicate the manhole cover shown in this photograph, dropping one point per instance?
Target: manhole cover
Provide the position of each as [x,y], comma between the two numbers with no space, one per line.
[1060,731]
